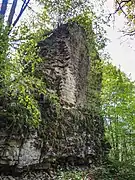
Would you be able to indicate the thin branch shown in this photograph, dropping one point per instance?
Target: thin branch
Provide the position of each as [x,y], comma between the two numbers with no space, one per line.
[12,12]
[120,7]
[25,4]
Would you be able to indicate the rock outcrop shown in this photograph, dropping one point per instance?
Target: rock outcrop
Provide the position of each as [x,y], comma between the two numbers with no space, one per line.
[74,136]
[67,63]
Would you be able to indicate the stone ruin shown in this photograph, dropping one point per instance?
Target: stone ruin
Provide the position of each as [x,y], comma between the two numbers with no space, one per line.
[74,138]
[67,65]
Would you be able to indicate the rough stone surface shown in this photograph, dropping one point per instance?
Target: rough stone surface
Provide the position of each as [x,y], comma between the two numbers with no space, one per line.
[67,64]
[29,152]
[74,138]
[19,152]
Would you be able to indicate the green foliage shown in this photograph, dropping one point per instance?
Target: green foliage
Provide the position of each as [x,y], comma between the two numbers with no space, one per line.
[118,102]
[112,171]
[77,174]
[3,51]
[61,11]
[18,81]
[74,175]
[127,8]
[81,11]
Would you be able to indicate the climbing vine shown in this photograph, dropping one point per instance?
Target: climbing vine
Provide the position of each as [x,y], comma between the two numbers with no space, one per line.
[19,84]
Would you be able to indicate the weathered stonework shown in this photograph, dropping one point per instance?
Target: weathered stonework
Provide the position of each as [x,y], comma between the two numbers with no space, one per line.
[19,152]
[72,138]
[67,63]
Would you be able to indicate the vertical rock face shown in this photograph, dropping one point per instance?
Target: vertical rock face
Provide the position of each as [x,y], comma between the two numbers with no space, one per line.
[67,63]
[19,152]
[75,136]
[65,68]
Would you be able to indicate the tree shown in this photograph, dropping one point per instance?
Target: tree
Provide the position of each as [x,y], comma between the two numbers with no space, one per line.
[12,11]
[118,102]
[20,87]
[127,7]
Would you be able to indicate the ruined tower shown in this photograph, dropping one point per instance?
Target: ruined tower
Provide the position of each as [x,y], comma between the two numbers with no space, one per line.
[74,136]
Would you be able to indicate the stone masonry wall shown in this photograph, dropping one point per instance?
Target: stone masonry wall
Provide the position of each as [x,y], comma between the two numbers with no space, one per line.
[72,138]
[66,63]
